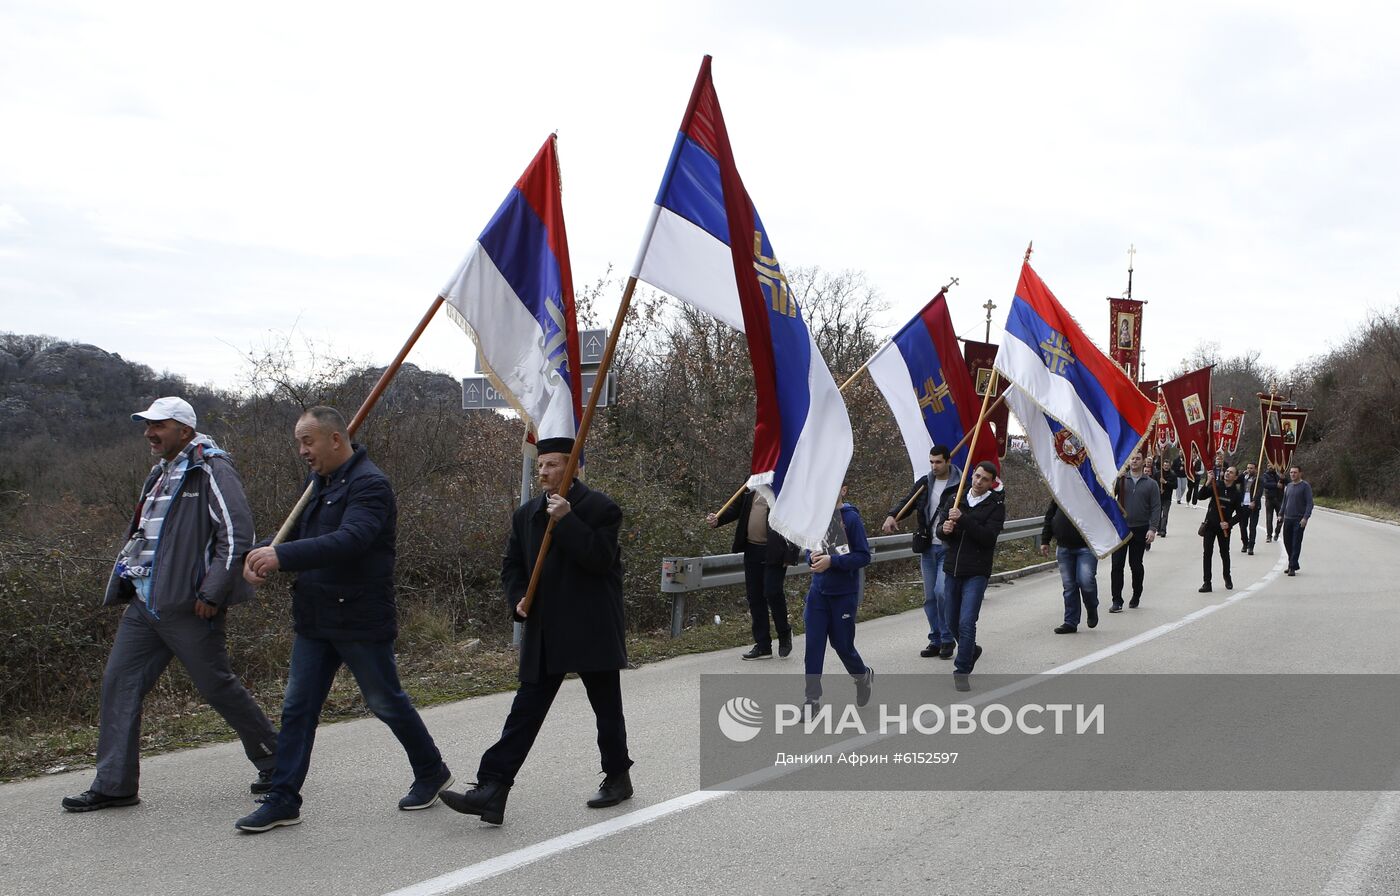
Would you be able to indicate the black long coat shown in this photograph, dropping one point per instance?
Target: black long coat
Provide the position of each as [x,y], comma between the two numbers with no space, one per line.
[575,622]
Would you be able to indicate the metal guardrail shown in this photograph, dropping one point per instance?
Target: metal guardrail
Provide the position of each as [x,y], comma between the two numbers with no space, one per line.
[681,575]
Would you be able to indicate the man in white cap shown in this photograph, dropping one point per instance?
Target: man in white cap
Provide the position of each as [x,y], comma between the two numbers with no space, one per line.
[179,572]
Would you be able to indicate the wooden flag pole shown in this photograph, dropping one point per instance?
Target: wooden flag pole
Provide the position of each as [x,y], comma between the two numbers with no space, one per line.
[904,511]
[1263,441]
[370,401]
[599,384]
[976,431]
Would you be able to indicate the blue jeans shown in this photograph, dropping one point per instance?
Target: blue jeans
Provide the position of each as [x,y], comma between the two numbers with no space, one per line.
[313,667]
[931,565]
[1079,574]
[963,598]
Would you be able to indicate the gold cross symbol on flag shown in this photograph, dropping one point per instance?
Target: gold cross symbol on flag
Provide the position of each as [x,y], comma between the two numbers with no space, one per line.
[933,395]
[1056,352]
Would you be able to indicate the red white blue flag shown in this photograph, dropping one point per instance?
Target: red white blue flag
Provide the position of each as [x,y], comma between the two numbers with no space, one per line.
[514,295]
[1083,415]
[706,245]
[929,390]
[1048,357]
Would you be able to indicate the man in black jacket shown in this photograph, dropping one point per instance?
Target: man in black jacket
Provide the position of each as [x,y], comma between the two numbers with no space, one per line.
[1079,568]
[1272,483]
[970,530]
[767,555]
[1223,505]
[942,475]
[574,625]
[343,610]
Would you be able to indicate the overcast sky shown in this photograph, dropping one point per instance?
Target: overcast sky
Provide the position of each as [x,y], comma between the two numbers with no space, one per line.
[183,183]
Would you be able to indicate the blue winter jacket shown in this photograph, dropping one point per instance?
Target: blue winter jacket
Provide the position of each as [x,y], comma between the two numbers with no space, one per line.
[343,552]
[843,577]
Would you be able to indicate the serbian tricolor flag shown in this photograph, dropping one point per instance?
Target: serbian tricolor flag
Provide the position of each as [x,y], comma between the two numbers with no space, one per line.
[1050,360]
[514,295]
[706,245]
[923,378]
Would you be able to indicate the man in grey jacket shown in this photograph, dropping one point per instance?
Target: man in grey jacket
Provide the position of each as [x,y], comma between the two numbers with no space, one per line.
[181,568]
[1141,500]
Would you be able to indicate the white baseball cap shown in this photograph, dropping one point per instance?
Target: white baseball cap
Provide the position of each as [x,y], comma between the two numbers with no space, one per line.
[169,408]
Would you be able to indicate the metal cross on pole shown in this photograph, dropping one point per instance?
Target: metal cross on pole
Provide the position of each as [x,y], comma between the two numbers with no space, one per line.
[990,306]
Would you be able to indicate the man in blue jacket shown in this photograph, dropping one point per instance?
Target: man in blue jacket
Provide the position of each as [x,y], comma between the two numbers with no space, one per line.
[831,604]
[344,614]
[178,574]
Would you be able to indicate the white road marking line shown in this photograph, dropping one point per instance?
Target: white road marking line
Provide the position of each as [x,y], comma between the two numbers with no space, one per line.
[527,855]
[1374,837]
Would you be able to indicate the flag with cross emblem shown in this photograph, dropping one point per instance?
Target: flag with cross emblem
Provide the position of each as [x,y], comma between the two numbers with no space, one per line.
[1053,365]
[706,245]
[921,374]
[514,295]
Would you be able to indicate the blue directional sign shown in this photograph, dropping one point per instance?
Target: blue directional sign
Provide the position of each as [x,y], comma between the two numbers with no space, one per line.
[478,393]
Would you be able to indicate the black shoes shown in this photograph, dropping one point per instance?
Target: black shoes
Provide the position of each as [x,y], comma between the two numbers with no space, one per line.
[1065,629]
[1093,617]
[785,645]
[486,800]
[1116,608]
[759,653]
[864,686]
[613,790]
[1229,584]
[1287,572]
[930,650]
[91,800]
[264,782]
[271,814]
[1133,604]
[1204,589]
[961,683]
[425,792]
[946,652]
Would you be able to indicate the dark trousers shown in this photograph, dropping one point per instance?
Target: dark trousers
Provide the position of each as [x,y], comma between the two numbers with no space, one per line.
[1190,491]
[1293,541]
[1249,529]
[1216,537]
[313,668]
[1273,506]
[830,618]
[144,647]
[1166,513]
[1130,553]
[763,585]
[503,760]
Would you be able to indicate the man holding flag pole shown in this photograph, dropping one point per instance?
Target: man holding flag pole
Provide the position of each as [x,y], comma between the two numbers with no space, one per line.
[514,295]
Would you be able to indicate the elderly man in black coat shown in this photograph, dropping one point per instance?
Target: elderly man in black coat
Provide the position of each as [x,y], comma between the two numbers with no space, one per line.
[574,625]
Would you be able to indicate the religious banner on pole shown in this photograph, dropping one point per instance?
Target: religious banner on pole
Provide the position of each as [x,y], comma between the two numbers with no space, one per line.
[1291,423]
[1125,335]
[1271,426]
[1225,426]
[980,356]
[1165,433]
[1187,399]
[1150,388]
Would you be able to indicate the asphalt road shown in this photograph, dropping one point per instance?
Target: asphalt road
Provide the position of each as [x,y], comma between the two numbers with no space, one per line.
[1340,615]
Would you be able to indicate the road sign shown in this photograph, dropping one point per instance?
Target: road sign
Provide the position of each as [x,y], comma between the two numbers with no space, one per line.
[590,349]
[478,393]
